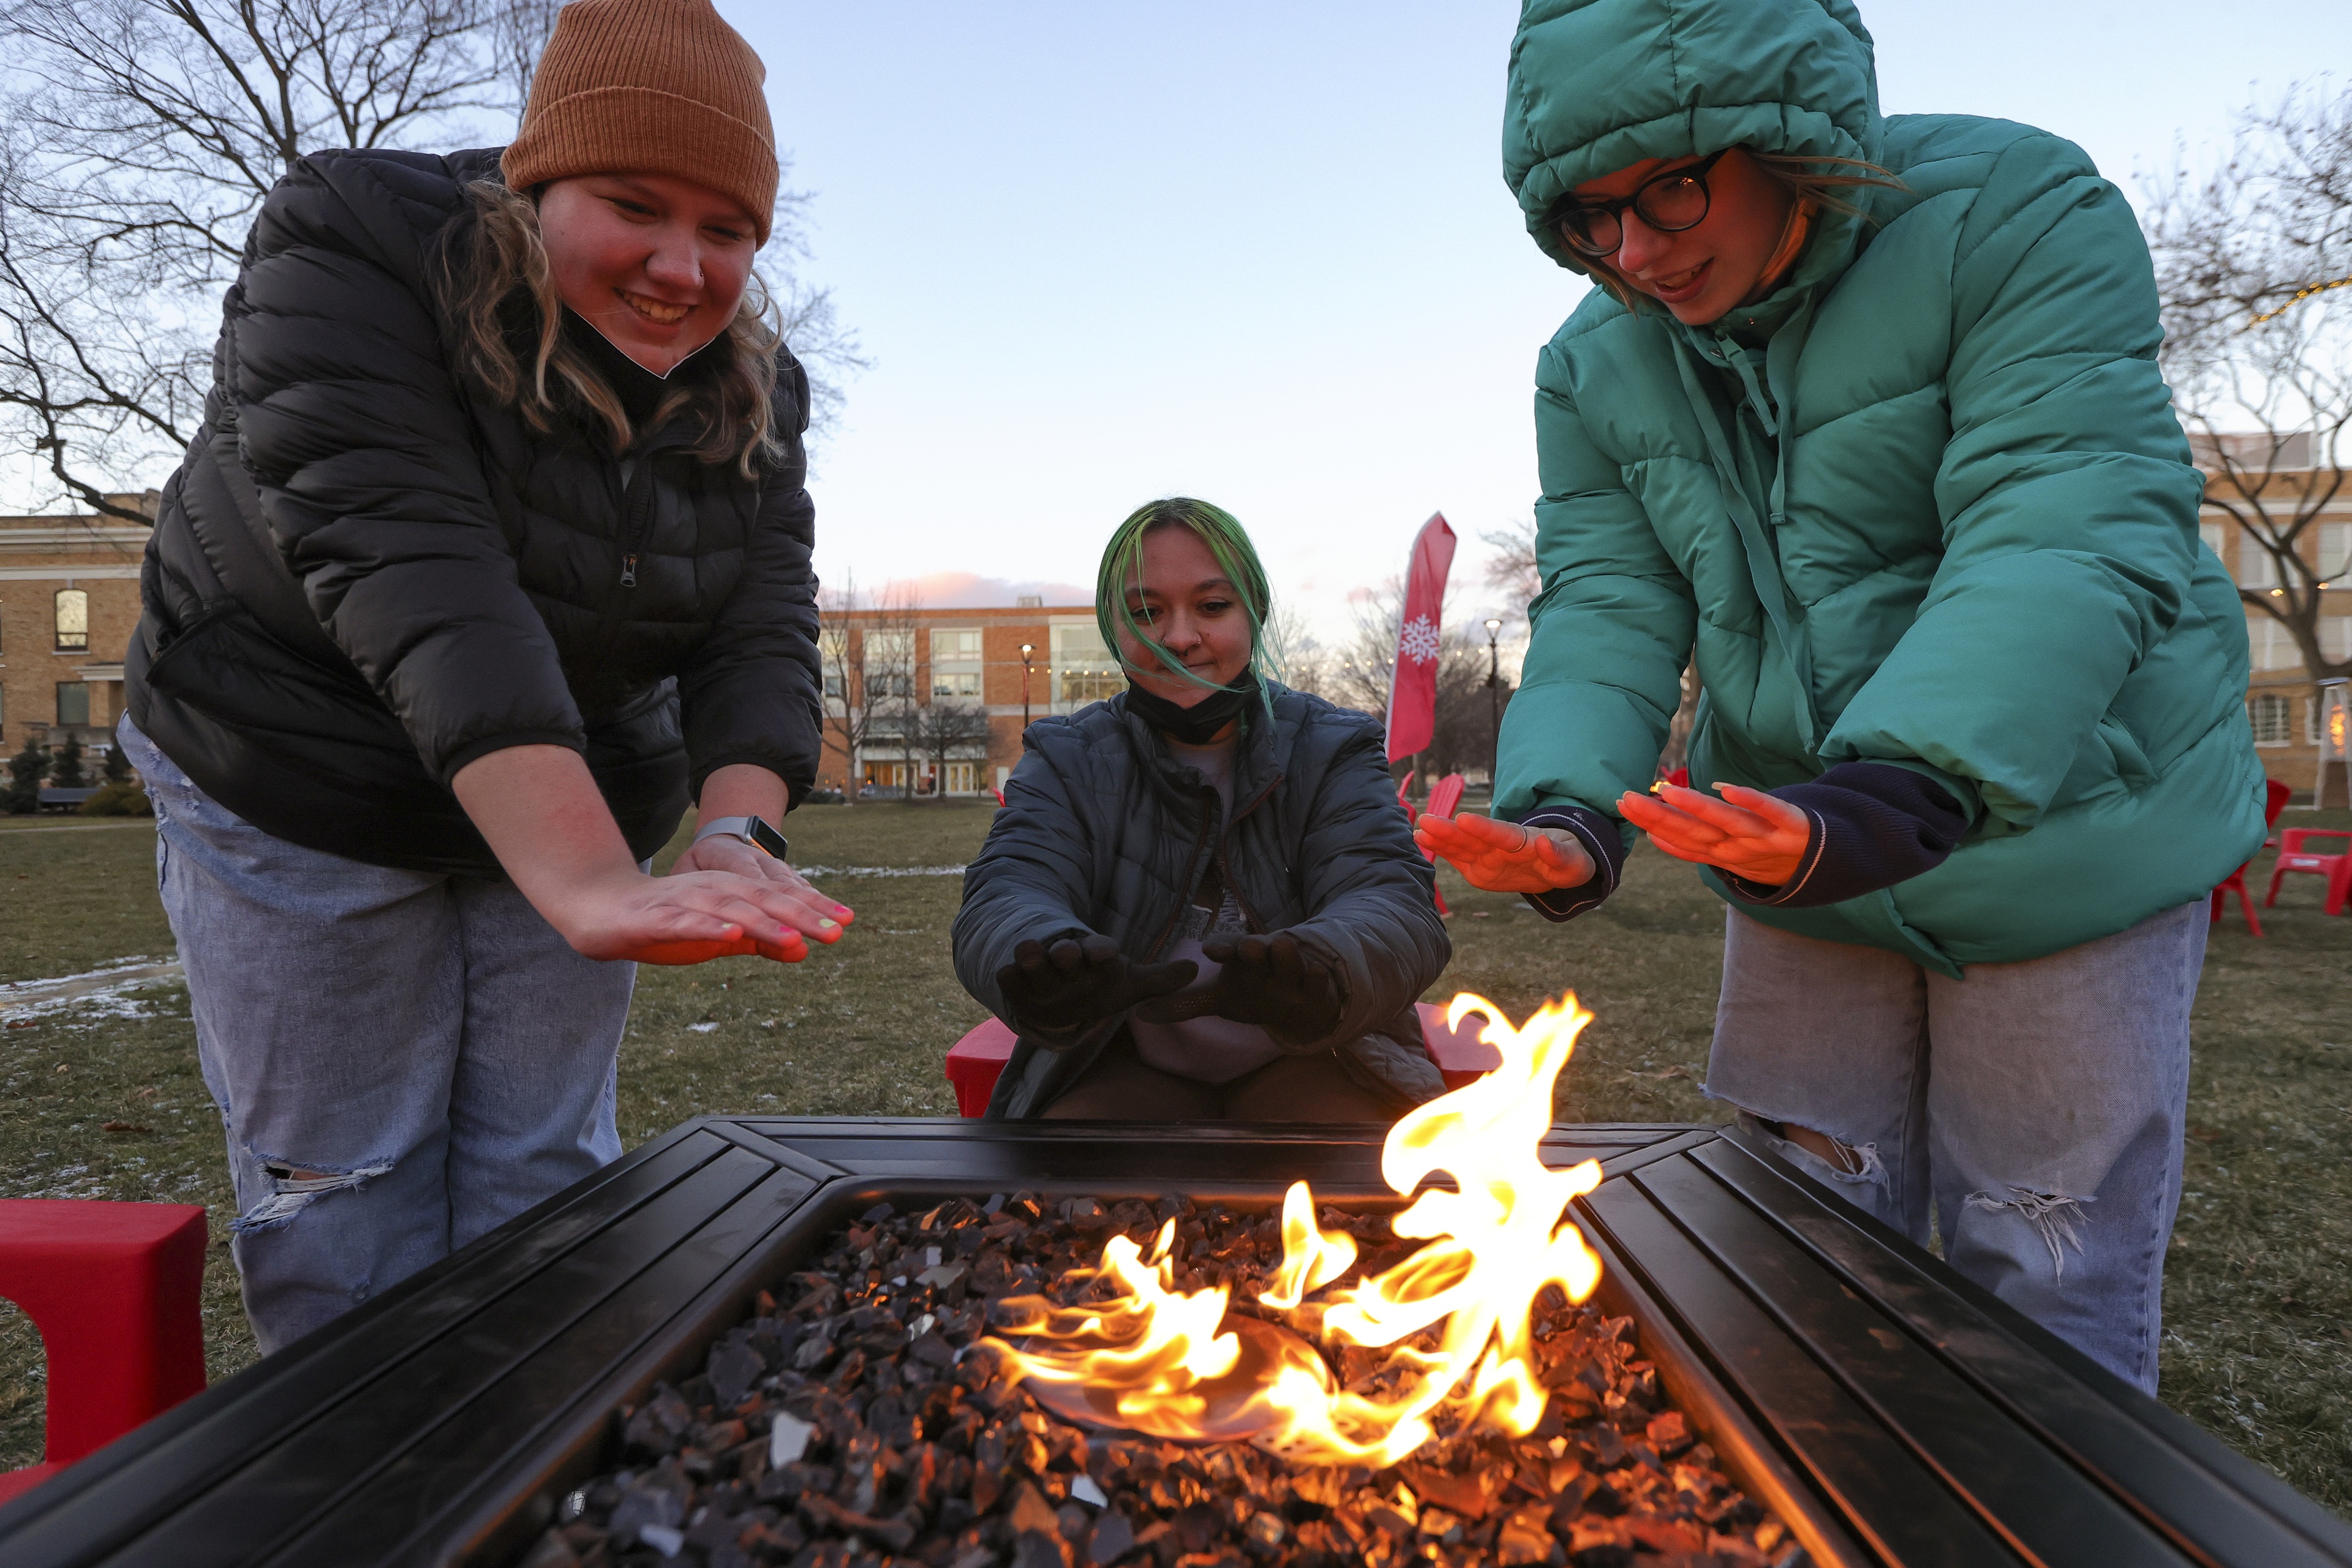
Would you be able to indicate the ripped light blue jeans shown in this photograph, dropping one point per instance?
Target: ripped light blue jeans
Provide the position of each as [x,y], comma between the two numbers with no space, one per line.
[403,1061]
[2036,1109]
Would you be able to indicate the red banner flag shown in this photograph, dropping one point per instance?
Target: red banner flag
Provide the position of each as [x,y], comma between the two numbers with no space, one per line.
[1412,694]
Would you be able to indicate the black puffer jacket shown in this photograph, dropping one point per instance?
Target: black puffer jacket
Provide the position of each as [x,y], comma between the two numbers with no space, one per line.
[367,574]
[1104,831]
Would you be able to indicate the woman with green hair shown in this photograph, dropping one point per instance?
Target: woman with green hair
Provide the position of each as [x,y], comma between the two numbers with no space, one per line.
[1201,902]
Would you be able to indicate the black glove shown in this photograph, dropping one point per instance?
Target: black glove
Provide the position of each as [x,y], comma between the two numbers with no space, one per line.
[1080,980]
[1275,982]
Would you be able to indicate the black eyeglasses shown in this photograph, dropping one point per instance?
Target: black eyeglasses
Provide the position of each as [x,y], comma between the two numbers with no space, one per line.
[1669,203]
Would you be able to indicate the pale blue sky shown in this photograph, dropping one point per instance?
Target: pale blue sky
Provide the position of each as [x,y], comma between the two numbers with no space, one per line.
[1263,252]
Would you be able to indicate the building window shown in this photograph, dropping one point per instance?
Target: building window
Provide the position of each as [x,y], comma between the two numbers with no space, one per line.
[2268,713]
[963,778]
[73,621]
[2336,638]
[2271,645]
[955,664]
[73,702]
[833,683]
[888,664]
[2257,567]
[1084,670]
[2334,551]
[2215,535]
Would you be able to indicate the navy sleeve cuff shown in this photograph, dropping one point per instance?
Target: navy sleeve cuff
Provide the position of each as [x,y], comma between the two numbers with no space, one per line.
[1601,840]
[1872,825]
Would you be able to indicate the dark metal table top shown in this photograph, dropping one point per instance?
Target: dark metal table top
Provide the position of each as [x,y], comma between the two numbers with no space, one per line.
[1889,1411]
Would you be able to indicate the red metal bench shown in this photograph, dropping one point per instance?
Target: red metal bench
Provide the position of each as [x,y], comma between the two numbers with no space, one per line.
[976,1060]
[113,1288]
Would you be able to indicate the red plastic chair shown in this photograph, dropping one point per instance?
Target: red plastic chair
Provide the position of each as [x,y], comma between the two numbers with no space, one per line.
[977,1059]
[2274,802]
[2293,857]
[113,1288]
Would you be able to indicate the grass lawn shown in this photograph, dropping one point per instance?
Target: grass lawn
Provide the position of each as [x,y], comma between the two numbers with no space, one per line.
[2259,1284]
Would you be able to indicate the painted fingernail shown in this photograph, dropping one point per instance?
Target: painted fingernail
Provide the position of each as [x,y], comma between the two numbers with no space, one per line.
[824,924]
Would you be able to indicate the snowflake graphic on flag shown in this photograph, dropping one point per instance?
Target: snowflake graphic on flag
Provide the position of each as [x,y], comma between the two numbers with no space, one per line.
[1419,642]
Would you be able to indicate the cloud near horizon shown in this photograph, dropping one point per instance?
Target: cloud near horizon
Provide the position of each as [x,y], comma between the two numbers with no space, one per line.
[970,591]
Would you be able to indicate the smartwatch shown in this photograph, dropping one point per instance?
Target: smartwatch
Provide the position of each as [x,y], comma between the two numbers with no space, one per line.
[751,830]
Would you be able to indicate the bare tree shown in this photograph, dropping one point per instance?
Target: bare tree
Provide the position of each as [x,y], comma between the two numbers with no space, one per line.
[2253,265]
[138,139]
[1512,568]
[519,34]
[868,648]
[942,728]
[1358,673]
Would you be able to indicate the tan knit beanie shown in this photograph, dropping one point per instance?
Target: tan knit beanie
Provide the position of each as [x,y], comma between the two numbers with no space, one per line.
[649,87]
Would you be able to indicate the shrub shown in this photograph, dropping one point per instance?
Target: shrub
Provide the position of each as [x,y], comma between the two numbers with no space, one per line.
[26,770]
[65,771]
[121,799]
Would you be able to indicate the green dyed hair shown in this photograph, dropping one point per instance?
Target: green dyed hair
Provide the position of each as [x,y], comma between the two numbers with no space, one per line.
[1123,566]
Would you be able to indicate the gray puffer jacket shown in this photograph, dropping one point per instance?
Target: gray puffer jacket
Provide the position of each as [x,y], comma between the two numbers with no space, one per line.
[1102,831]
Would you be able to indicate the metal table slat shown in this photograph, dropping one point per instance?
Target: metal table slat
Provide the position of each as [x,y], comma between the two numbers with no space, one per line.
[313,1465]
[540,1388]
[2053,1515]
[99,1504]
[2170,1471]
[1901,1509]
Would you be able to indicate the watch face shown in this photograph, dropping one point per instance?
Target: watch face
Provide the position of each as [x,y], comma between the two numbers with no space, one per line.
[766,837]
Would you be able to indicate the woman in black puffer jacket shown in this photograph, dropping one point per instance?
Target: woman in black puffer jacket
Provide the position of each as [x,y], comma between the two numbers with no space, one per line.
[491,553]
[1201,902]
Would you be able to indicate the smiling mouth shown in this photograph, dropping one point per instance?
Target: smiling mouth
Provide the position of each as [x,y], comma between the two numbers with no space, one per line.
[661,312]
[1682,284]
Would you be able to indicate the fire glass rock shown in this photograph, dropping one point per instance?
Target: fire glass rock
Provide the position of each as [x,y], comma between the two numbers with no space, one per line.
[859,1419]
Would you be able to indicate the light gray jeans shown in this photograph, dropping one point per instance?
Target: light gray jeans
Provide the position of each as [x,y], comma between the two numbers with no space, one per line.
[2036,1107]
[403,1061]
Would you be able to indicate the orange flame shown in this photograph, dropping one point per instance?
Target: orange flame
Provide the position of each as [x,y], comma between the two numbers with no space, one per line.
[1171,1363]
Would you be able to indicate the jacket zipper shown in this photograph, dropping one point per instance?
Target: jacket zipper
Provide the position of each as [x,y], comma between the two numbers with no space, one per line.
[1202,853]
[1224,865]
[635,521]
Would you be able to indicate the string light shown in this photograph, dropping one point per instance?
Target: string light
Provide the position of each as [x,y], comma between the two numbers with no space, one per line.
[2298,298]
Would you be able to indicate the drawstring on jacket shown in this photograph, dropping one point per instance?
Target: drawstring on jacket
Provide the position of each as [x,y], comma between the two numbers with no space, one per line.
[1763,558]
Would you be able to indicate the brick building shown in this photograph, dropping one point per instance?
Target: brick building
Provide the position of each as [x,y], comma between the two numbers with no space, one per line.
[69,601]
[2284,702]
[931,701]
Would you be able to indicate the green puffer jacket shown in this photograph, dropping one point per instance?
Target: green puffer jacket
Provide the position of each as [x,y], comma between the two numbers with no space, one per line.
[1927,504]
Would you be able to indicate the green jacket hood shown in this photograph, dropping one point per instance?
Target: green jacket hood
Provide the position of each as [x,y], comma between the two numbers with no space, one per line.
[1596,85]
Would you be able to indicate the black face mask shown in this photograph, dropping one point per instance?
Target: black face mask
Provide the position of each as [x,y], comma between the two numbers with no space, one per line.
[1195,725]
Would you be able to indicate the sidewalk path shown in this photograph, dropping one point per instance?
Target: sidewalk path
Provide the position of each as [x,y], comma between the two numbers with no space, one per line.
[7,833]
[26,997]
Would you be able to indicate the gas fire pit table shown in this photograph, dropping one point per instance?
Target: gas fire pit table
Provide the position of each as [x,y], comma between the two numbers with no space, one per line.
[1883,1409]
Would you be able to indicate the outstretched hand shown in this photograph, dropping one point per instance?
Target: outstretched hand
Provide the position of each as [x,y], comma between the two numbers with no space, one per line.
[1746,833]
[1077,981]
[1504,857]
[1275,982]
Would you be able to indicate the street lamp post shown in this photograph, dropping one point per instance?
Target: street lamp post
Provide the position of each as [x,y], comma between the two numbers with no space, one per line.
[1026,649]
[1494,696]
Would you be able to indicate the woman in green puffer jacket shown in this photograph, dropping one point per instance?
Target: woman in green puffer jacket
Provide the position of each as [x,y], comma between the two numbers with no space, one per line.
[1865,418]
